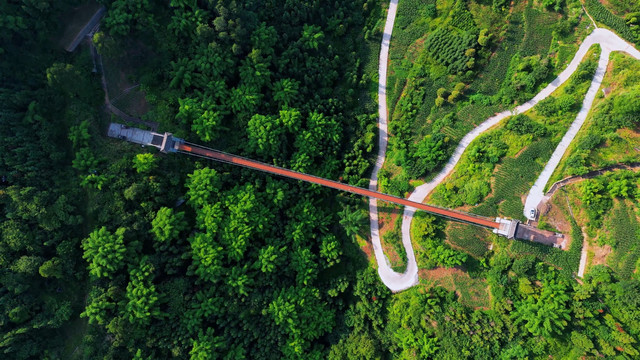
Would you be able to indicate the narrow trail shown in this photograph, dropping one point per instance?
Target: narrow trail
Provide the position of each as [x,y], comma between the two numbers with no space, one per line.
[590,175]
[400,281]
[97,59]
[575,179]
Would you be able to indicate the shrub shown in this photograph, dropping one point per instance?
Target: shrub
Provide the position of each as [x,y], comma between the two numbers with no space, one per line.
[522,124]
[448,48]
[453,96]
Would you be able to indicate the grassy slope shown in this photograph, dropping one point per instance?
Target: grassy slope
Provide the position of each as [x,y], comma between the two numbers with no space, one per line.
[512,177]
[623,71]
[527,31]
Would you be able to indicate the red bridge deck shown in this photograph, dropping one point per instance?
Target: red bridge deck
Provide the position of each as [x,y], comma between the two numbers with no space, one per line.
[212,154]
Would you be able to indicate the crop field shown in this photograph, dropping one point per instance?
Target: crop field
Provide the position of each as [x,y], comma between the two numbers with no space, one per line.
[601,14]
[538,31]
[516,175]
[625,231]
[471,239]
[472,292]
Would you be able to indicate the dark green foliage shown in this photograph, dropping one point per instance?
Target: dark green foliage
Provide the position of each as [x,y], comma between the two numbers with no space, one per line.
[522,124]
[428,155]
[523,78]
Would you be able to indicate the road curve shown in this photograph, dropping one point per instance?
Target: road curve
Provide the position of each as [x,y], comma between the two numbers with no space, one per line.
[393,280]
[400,281]
[609,42]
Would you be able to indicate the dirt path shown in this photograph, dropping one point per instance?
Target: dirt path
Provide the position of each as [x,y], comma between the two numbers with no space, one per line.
[97,59]
[399,281]
[583,258]
[577,178]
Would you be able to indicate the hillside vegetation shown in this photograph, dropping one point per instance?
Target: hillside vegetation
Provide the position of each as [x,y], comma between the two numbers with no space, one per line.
[113,251]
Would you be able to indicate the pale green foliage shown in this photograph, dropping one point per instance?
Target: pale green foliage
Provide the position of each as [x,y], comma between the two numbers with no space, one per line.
[266,135]
[52,268]
[270,258]
[104,251]
[203,185]
[95,181]
[207,257]
[330,250]
[142,297]
[302,316]
[167,225]
[97,307]
[27,264]
[312,36]
[79,135]
[144,163]
[205,346]
[547,313]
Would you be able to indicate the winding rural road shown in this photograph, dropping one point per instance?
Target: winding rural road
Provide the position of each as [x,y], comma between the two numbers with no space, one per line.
[609,42]
[400,281]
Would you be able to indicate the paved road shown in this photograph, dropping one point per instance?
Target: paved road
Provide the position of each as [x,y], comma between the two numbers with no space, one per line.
[609,42]
[399,281]
[393,280]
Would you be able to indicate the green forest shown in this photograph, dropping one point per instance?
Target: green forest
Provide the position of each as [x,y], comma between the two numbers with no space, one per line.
[113,251]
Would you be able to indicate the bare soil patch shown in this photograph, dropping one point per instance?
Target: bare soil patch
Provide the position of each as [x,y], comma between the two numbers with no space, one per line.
[471,292]
[600,254]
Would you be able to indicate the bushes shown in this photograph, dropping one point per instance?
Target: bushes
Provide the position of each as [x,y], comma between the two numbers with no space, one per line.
[449,48]
[625,233]
[427,155]
[522,124]
[524,76]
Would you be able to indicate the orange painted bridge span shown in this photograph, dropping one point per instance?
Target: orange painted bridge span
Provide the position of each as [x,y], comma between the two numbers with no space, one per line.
[198,150]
